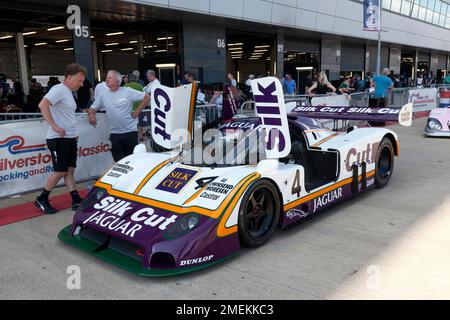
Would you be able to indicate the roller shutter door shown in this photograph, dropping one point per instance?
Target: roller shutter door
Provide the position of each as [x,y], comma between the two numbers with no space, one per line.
[352,57]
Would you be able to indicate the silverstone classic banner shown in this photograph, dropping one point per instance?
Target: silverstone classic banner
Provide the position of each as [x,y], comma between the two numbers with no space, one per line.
[25,162]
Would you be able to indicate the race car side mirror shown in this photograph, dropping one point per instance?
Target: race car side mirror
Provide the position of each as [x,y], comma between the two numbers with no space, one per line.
[140,148]
[267,166]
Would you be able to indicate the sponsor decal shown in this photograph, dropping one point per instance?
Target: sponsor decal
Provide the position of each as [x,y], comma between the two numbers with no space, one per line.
[163,106]
[357,157]
[240,125]
[177,180]
[327,198]
[111,213]
[294,213]
[269,104]
[16,145]
[216,190]
[353,110]
[120,169]
[196,260]
[94,150]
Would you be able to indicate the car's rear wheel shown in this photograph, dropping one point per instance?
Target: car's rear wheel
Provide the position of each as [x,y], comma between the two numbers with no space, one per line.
[259,214]
[385,163]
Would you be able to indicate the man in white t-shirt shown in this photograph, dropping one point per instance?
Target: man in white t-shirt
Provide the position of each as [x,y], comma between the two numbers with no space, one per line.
[99,88]
[153,82]
[58,108]
[118,104]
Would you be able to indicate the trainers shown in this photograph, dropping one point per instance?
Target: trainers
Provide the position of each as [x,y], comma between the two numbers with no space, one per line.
[44,206]
[76,204]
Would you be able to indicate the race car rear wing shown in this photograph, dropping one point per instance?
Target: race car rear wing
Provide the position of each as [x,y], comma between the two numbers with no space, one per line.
[401,115]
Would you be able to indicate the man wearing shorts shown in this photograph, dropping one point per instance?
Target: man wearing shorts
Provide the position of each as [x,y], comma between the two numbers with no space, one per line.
[58,108]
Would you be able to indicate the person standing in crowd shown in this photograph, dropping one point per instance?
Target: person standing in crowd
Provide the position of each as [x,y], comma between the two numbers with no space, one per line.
[58,108]
[124,80]
[322,86]
[18,93]
[289,85]
[152,82]
[248,86]
[133,84]
[122,120]
[4,86]
[382,83]
[419,80]
[346,86]
[185,79]
[231,80]
[84,96]
[99,88]
[137,75]
[447,79]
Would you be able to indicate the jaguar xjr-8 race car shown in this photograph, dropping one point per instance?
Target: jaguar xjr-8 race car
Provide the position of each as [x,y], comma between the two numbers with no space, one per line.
[158,214]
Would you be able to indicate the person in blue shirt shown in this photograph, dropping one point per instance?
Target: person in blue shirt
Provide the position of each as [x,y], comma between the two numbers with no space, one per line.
[289,85]
[382,83]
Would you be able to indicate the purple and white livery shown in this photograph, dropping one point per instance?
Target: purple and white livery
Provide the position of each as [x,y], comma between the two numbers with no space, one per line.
[159,214]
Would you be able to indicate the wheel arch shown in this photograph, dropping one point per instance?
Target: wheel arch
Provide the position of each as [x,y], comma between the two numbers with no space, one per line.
[395,143]
[277,188]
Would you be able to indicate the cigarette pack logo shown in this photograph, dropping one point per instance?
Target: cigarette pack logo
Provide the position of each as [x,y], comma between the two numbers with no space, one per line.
[16,145]
[177,180]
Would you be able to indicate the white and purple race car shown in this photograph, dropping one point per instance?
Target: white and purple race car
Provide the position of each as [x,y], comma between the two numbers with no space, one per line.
[159,214]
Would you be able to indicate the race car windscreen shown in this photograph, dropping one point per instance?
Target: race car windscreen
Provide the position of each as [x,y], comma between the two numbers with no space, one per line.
[226,147]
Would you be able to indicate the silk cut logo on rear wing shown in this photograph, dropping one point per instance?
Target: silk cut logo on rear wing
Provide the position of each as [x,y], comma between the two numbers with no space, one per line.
[401,115]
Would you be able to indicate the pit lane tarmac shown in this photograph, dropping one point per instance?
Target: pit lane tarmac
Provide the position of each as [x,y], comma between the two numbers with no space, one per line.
[385,244]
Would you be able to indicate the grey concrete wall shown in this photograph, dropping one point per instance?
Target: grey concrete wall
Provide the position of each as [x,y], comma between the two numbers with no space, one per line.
[331,58]
[341,17]
[201,50]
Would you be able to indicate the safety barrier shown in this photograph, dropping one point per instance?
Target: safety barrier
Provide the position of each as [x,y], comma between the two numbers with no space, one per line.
[16,117]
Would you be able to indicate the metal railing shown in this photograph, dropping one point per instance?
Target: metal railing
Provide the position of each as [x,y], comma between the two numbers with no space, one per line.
[19,117]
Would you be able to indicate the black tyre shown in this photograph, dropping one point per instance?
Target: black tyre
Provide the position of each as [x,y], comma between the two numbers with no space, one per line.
[259,214]
[385,163]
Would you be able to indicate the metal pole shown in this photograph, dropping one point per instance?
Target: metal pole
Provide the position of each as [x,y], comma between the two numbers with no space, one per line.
[379,39]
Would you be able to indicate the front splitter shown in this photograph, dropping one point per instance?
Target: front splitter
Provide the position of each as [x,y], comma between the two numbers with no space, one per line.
[123,261]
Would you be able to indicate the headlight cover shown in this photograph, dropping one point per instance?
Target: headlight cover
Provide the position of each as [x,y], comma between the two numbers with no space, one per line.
[95,195]
[182,226]
[434,124]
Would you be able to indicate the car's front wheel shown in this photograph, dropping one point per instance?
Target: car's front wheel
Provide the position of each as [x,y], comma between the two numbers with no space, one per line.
[259,214]
[385,163]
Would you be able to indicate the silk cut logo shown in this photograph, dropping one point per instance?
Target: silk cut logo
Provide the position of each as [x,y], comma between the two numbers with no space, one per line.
[16,145]
[176,180]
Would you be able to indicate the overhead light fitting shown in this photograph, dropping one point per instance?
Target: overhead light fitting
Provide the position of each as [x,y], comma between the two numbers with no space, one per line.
[40,44]
[161,51]
[104,51]
[166,65]
[235,44]
[126,49]
[133,41]
[68,49]
[63,40]
[114,33]
[235,48]
[267,46]
[55,28]
[111,44]
[304,68]
[6,37]
[164,38]
[29,33]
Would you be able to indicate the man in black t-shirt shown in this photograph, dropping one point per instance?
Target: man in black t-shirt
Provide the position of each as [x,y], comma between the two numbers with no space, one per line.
[84,95]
